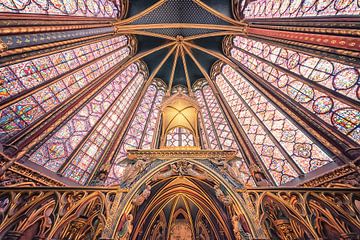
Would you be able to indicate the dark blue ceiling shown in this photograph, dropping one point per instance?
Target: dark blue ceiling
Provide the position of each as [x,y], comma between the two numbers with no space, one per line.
[179,11]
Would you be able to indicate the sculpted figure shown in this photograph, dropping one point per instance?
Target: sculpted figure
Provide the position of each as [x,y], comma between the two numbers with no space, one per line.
[140,199]
[133,170]
[127,228]
[190,170]
[226,200]
[173,170]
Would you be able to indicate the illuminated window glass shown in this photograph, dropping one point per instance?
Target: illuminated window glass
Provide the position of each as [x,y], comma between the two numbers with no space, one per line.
[279,143]
[300,8]
[333,76]
[178,137]
[56,150]
[83,8]
[141,131]
[219,133]
[28,75]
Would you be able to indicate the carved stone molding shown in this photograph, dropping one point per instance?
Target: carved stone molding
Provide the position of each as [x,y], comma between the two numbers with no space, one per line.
[337,176]
[35,176]
[181,153]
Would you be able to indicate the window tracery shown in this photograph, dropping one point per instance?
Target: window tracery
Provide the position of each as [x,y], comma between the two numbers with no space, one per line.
[90,119]
[285,150]
[83,8]
[25,76]
[218,131]
[300,8]
[141,131]
[321,101]
[180,137]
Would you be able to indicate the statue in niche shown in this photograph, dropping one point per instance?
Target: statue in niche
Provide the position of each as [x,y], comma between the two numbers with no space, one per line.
[238,229]
[226,200]
[140,199]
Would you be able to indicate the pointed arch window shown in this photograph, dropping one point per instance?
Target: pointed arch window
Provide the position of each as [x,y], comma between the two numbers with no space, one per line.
[141,131]
[82,8]
[41,84]
[272,64]
[299,8]
[95,123]
[218,131]
[286,151]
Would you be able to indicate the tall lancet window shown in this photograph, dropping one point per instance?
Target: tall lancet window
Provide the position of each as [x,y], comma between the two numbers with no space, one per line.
[141,131]
[83,8]
[284,148]
[42,84]
[299,8]
[324,88]
[218,132]
[80,141]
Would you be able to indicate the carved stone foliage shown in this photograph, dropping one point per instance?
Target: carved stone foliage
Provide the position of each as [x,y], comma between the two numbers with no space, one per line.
[38,213]
[308,213]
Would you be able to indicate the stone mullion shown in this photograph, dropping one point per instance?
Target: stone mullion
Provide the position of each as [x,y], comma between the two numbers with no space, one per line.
[251,157]
[343,45]
[118,137]
[31,91]
[67,110]
[285,154]
[18,139]
[331,134]
[211,119]
[331,25]
[94,128]
[32,55]
[310,49]
[148,117]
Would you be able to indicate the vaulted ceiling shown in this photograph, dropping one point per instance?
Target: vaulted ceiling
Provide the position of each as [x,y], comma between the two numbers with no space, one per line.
[156,23]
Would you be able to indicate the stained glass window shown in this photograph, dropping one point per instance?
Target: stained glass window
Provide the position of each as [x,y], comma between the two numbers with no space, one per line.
[270,63]
[284,148]
[83,8]
[84,162]
[89,119]
[178,137]
[41,77]
[218,131]
[300,8]
[141,131]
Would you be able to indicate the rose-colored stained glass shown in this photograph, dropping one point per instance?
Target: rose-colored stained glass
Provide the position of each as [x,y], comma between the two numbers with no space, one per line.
[58,148]
[299,8]
[141,131]
[279,143]
[319,101]
[82,8]
[27,75]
